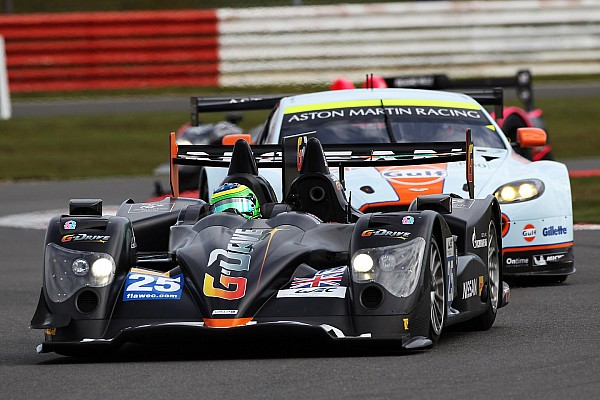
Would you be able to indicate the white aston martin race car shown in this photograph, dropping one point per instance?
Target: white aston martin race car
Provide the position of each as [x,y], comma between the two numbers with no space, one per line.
[535,197]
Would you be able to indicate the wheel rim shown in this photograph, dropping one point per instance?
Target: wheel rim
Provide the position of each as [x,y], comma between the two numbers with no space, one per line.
[493,266]
[437,294]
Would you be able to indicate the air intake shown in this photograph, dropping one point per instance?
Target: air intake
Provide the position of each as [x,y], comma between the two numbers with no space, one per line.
[87,302]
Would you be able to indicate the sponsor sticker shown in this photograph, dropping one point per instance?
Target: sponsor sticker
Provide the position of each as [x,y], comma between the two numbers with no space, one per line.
[84,237]
[224,312]
[235,259]
[517,261]
[472,287]
[554,231]
[450,268]
[411,175]
[150,208]
[544,259]
[529,233]
[478,243]
[462,203]
[385,232]
[70,225]
[324,278]
[149,286]
[408,220]
[450,246]
[332,291]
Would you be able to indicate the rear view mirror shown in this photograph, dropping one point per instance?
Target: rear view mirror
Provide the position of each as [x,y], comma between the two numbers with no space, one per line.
[531,137]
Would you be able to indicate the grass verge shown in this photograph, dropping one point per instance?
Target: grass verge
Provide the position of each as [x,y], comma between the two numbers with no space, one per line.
[586,199]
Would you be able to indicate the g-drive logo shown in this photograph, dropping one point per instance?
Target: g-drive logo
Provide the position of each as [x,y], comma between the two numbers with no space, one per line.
[84,237]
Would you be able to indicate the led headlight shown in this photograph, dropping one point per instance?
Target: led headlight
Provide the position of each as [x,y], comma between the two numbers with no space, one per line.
[102,271]
[67,271]
[362,263]
[519,191]
[396,268]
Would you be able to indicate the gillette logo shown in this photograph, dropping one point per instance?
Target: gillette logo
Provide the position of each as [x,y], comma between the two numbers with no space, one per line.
[554,231]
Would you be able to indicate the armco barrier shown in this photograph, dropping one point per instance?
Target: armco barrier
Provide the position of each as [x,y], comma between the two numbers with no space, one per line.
[111,50]
[296,45]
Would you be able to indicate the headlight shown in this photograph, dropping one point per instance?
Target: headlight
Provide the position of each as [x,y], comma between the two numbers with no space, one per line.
[362,263]
[67,271]
[102,271]
[396,268]
[80,267]
[518,191]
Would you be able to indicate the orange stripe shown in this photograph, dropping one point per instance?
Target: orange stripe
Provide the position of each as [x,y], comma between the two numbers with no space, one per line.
[429,179]
[531,248]
[226,323]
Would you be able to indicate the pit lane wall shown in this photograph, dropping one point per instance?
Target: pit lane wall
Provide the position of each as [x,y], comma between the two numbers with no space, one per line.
[298,45]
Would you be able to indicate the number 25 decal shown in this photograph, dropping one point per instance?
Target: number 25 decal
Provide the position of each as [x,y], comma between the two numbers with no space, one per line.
[152,283]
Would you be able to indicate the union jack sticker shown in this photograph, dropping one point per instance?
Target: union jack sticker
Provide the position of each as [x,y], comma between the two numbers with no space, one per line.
[323,278]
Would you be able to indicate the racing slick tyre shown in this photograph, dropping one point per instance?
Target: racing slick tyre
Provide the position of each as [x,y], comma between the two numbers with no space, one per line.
[494,285]
[437,293]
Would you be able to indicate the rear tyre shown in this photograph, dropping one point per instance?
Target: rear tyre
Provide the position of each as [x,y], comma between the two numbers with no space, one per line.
[437,292]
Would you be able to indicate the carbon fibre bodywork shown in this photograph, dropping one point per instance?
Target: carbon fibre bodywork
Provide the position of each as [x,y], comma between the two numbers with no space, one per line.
[172,270]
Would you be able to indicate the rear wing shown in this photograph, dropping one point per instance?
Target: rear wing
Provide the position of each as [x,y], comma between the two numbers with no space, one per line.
[288,156]
[205,104]
[231,103]
[521,81]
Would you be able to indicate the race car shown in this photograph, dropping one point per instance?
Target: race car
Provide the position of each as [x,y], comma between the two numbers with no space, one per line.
[310,267]
[535,197]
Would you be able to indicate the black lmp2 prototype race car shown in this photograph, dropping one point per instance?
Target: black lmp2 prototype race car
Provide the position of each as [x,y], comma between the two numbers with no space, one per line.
[176,270]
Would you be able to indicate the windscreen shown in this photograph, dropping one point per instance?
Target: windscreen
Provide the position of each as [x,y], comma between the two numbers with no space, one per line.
[401,121]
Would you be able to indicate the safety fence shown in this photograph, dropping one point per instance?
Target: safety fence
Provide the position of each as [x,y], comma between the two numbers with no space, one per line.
[297,45]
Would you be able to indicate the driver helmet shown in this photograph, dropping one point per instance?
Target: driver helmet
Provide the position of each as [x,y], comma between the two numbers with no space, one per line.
[237,198]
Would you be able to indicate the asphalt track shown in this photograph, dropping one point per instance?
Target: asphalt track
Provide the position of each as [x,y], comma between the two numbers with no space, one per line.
[544,345]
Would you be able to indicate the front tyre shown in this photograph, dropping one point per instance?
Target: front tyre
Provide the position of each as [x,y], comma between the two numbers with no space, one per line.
[437,292]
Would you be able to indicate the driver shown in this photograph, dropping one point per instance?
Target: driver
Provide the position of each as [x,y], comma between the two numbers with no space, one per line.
[443,132]
[236,198]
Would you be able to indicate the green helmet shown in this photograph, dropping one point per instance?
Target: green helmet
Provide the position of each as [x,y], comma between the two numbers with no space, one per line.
[239,198]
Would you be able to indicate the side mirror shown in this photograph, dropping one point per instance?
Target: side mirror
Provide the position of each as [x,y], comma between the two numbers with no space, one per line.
[531,137]
[229,140]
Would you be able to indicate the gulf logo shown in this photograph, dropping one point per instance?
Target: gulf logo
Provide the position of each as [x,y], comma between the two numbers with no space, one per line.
[422,175]
[529,232]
